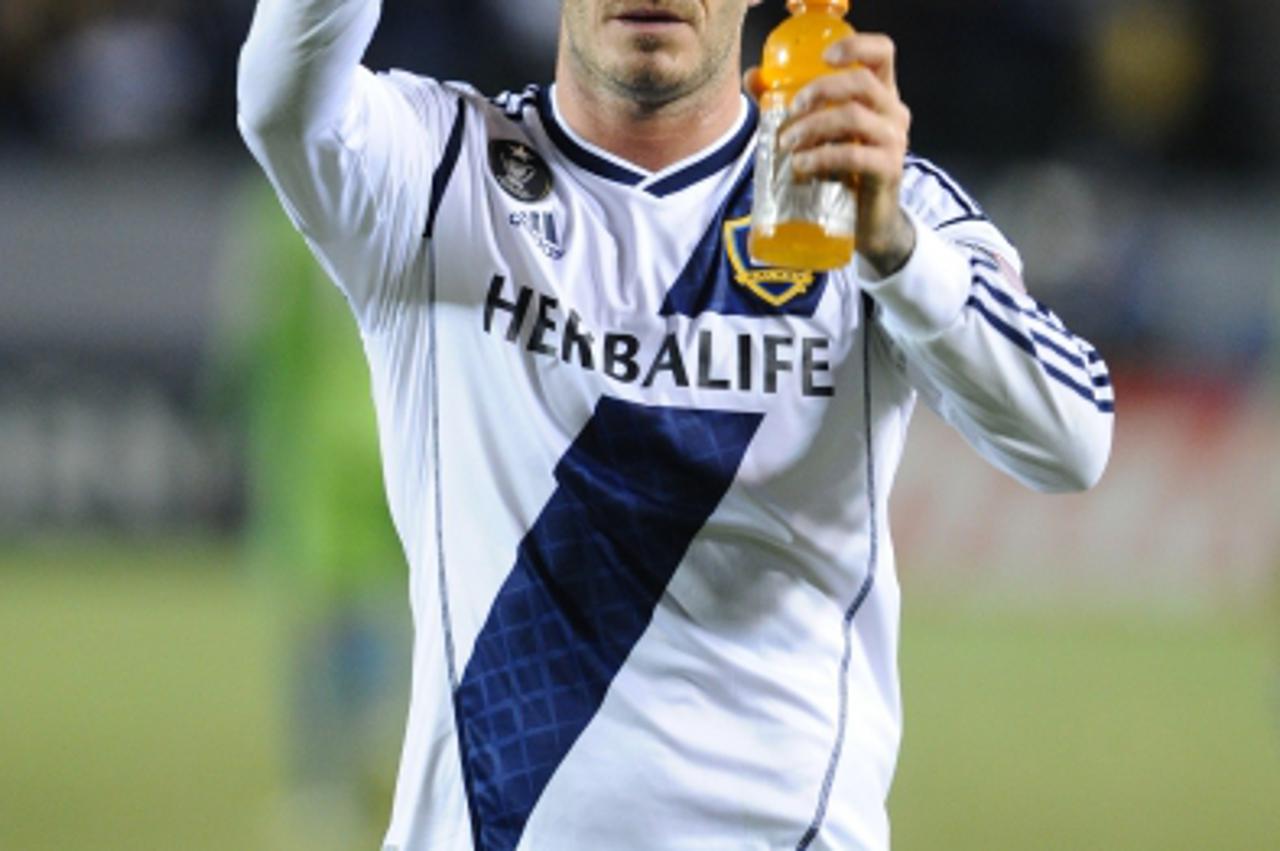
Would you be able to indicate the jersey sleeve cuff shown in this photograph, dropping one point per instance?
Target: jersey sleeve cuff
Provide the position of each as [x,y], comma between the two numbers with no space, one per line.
[925,296]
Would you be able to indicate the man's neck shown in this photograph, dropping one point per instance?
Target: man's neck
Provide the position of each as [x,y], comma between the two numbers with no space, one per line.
[652,137]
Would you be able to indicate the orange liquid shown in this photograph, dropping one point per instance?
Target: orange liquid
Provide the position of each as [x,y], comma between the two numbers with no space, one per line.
[800,245]
[793,51]
[792,59]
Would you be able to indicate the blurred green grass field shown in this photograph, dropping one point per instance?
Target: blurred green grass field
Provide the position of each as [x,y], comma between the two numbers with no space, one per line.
[139,710]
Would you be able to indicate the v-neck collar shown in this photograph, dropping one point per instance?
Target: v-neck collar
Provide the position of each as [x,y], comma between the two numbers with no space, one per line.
[675,177]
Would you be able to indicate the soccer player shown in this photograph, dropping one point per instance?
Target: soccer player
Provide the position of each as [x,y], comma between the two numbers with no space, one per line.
[641,481]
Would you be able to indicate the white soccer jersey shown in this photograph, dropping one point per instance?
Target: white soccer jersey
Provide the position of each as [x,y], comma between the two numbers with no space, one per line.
[641,482]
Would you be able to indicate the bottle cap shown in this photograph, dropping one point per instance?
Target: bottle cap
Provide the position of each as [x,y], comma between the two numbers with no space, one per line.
[842,6]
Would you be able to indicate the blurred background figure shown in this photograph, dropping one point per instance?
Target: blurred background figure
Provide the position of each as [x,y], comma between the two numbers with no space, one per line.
[290,370]
[1114,654]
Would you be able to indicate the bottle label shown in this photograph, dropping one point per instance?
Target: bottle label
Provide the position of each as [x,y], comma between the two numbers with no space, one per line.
[779,198]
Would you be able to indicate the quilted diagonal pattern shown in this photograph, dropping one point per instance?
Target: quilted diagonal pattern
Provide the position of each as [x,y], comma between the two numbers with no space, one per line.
[633,491]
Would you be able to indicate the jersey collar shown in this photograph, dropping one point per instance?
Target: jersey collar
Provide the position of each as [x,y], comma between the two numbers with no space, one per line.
[669,180]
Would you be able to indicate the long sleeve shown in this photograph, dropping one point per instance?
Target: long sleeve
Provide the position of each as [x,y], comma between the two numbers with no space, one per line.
[299,64]
[350,153]
[1030,396]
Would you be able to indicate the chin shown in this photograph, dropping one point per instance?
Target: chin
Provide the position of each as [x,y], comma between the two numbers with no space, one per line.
[652,80]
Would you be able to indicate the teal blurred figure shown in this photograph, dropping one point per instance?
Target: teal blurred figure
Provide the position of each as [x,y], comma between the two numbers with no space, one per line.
[289,365]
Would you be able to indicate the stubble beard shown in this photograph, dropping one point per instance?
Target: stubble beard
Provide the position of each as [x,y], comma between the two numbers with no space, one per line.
[644,82]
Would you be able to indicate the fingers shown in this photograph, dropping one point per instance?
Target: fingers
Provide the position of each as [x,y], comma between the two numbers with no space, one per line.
[847,122]
[870,57]
[857,83]
[851,125]
[848,161]
[847,138]
[871,50]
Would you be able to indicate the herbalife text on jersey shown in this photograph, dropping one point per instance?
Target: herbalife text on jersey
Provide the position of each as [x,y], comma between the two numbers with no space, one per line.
[747,363]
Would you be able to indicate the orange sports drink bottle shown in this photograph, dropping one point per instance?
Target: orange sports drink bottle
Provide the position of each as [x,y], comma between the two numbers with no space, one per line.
[796,225]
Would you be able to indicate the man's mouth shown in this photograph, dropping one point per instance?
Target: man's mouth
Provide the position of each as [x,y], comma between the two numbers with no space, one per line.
[656,18]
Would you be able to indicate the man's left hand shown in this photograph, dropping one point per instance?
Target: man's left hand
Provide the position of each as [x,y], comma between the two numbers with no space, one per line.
[851,125]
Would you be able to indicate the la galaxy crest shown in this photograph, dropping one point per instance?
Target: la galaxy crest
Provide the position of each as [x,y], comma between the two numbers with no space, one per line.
[773,285]
[520,170]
